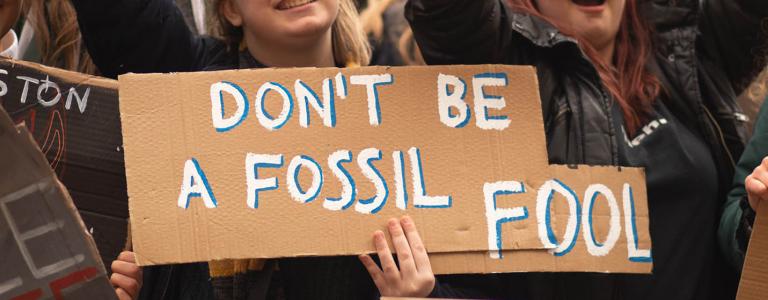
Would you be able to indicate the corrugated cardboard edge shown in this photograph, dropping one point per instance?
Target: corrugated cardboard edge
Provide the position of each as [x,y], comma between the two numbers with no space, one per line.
[72,76]
[142,260]
[270,70]
[754,276]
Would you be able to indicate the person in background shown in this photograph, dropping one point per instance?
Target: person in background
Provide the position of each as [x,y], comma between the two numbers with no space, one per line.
[50,34]
[383,21]
[389,34]
[152,36]
[62,49]
[9,13]
[623,82]
[750,189]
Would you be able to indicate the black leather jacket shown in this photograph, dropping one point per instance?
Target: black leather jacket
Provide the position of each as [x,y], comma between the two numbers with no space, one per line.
[705,53]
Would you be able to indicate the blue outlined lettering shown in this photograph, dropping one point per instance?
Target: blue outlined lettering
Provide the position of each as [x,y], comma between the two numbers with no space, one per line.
[543,210]
[349,191]
[401,195]
[253,182]
[294,186]
[484,101]
[341,85]
[265,119]
[372,83]
[496,217]
[448,100]
[306,97]
[328,96]
[614,226]
[420,198]
[365,162]
[195,184]
[221,123]
[634,254]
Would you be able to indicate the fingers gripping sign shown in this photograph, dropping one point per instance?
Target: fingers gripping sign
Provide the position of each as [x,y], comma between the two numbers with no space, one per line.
[414,278]
[757,184]
[126,276]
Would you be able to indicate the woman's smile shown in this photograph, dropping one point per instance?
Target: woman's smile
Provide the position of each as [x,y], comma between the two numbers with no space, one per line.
[590,6]
[289,4]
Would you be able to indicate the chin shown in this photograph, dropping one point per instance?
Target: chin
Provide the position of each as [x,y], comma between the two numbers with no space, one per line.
[306,28]
[597,39]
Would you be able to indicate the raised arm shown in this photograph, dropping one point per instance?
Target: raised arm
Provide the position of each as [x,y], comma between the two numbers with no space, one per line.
[141,36]
[734,35]
[460,31]
[738,217]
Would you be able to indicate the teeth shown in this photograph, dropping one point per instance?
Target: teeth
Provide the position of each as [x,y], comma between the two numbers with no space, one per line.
[293,3]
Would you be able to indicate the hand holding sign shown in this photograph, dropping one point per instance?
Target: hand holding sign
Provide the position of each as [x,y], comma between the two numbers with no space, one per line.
[757,184]
[126,276]
[415,277]
[233,158]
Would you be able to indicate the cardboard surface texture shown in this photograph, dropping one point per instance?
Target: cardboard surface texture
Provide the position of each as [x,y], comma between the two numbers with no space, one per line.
[754,275]
[46,252]
[74,119]
[309,162]
[580,260]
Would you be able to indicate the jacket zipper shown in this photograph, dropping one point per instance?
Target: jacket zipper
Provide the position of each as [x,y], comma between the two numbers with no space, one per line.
[720,136]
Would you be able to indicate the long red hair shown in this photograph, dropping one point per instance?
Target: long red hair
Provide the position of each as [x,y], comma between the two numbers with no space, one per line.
[627,79]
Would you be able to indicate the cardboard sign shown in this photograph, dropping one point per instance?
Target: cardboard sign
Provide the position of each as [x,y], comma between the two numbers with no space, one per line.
[297,162]
[46,253]
[74,119]
[754,275]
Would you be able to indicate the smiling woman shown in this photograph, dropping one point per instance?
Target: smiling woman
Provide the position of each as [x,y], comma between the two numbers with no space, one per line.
[294,33]
[617,42]
[152,36]
[291,4]
[630,83]
[278,32]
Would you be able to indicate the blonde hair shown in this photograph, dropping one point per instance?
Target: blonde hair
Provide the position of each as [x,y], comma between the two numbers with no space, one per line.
[350,46]
[58,35]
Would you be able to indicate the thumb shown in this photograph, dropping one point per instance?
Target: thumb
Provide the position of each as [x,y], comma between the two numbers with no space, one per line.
[756,191]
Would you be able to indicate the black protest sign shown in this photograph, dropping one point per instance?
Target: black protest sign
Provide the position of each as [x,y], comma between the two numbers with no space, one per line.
[46,251]
[74,119]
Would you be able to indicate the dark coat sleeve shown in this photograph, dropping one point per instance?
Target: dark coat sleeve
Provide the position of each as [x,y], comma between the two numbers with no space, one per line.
[141,36]
[485,286]
[738,216]
[460,31]
[734,36]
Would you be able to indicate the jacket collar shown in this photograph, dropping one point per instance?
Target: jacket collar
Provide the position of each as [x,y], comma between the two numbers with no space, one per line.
[538,30]
[660,14]
[247,61]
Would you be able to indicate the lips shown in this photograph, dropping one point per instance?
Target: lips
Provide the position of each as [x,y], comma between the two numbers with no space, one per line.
[288,4]
[589,2]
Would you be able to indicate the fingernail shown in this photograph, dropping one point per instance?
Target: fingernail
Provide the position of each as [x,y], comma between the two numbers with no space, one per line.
[407,220]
